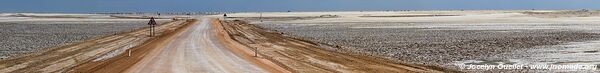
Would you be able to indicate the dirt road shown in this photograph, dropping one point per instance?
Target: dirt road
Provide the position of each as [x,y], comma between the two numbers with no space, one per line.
[193,51]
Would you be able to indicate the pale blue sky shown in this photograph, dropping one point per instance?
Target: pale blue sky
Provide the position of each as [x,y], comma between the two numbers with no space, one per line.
[282,5]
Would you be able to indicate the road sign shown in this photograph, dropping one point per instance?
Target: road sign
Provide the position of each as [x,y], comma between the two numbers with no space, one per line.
[224,16]
[152,23]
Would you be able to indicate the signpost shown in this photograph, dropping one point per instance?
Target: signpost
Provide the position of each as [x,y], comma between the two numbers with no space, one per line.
[158,14]
[224,16]
[152,23]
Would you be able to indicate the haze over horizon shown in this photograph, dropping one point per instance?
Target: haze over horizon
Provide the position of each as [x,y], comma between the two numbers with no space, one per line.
[283,5]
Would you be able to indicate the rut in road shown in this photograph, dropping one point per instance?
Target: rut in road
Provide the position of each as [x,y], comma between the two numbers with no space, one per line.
[193,50]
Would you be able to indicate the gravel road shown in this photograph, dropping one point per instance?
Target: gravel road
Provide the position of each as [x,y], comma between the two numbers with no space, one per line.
[193,50]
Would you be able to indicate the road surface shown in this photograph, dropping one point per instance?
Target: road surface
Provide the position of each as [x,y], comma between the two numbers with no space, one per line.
[194,50]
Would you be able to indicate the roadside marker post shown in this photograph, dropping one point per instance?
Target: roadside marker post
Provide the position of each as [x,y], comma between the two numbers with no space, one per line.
[260,17]
[255,51]
[129,53]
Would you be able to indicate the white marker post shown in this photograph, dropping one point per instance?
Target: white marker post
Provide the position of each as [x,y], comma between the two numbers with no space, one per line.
[255,52]
[129,55]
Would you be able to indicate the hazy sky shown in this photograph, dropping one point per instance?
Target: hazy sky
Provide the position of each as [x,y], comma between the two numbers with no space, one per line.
[281,5]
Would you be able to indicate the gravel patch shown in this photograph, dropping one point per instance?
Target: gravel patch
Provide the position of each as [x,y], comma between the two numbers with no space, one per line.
[429,46]
[27,37]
